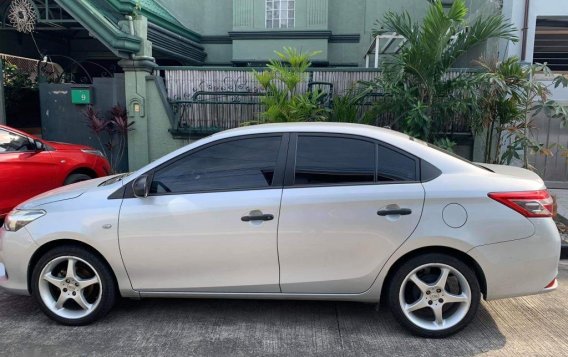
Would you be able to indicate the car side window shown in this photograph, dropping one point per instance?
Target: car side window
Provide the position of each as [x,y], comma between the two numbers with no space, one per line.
[395,166]
[10,142]
[324,160]
[247,163]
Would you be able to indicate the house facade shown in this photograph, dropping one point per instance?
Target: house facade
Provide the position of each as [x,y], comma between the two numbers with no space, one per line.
[209,33]
[247,32]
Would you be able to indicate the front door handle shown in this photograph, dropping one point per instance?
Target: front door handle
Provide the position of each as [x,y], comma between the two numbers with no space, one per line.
[262,217]
[392,212]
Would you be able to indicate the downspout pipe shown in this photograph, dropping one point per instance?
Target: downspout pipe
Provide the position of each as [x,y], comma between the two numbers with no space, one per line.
[525,29]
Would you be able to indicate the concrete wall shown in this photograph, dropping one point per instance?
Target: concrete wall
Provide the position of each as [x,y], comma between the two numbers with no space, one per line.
[262,50]
[341,17]
[160,141]
[515,9]
[190,12]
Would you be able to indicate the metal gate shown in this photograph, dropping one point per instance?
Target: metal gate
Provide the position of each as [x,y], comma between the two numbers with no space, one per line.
[554,169]
[61,120]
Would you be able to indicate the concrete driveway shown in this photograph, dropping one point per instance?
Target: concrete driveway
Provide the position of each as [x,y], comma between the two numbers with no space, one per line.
[530,326]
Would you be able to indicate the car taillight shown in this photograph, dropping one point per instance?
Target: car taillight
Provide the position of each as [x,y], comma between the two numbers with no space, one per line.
[527,203]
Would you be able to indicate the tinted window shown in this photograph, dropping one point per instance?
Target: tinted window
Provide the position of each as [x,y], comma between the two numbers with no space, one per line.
[10,142]
[238,164]
[334,160]
[394,166]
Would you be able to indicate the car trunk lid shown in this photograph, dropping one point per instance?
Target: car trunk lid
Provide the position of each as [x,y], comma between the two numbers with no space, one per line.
[513,171]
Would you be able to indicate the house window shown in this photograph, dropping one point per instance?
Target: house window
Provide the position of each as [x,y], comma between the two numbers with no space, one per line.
[280,14]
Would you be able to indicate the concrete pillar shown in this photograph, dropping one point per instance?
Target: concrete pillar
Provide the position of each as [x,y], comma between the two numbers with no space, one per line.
[135,72]
[136,69]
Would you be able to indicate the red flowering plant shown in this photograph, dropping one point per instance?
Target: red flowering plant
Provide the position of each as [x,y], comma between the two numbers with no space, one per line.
[111,132]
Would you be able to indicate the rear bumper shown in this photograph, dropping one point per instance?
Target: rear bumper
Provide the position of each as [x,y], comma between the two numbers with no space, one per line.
[521,267]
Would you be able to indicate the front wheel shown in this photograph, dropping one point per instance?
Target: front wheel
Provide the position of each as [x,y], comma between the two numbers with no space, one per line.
[434,295]
[74,178]
[73,286]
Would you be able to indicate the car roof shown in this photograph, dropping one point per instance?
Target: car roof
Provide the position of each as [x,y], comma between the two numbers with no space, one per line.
[388,136]
[320,127]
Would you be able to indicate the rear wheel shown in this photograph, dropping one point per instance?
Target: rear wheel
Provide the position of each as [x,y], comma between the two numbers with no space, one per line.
[73,286]
[74,178]
[434,295]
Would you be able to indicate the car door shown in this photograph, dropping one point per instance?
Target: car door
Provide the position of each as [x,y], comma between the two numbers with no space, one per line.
[210,221]
[24,172]
[348,203]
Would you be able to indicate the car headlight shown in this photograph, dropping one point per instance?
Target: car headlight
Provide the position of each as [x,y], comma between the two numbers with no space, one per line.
[19,218]
[93,152]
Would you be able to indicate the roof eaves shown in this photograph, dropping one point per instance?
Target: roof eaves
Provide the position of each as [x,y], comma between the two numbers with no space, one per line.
[120,43]
[156,14]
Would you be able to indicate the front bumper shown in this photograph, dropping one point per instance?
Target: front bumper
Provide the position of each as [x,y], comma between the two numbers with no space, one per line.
[14,266]
[521,267]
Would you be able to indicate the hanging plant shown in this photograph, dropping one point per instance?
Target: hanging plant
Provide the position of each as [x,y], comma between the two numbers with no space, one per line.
[22,16]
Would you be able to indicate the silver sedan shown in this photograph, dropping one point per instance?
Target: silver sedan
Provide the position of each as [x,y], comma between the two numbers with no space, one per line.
[290,211]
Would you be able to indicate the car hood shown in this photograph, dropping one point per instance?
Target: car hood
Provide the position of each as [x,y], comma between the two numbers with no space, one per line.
[62,193]
[513,171]
[66,147]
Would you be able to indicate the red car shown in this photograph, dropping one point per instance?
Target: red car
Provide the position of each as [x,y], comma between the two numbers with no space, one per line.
[30,166]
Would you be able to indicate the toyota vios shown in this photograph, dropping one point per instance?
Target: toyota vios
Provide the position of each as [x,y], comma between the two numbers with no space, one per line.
[292,211]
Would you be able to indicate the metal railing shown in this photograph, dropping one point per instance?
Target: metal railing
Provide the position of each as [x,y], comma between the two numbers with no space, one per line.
[207,112]
[208,100]
[33,66]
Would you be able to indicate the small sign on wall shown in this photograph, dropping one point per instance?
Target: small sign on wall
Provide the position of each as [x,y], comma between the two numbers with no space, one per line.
[81,96]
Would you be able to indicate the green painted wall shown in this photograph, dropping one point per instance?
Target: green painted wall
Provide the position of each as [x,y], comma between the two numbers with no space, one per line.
[207,17]
[261,50]
[219,54]
[218,18]
[160,141]
[360,17]
[188,12]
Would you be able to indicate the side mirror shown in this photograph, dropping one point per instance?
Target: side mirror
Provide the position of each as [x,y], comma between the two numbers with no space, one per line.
[38,145]
[141,186]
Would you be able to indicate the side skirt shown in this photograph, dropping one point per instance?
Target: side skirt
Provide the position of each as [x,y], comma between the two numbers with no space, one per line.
[364,297]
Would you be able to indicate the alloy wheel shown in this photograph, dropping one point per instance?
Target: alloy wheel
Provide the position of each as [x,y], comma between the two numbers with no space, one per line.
[435,296]
[70,287]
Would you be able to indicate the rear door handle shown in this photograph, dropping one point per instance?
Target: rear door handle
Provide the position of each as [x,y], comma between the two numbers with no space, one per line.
[392,212]
[262,217]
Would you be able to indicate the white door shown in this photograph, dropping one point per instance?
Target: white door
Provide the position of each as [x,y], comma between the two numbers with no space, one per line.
[210,221]
[347,205]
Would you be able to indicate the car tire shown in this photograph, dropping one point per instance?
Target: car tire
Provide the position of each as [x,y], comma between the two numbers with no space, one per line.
[429,305]
[75,297]
[74,178]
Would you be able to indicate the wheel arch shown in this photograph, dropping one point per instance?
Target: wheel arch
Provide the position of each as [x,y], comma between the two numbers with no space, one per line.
[64,242]
[472,263]
[82,170]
